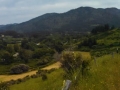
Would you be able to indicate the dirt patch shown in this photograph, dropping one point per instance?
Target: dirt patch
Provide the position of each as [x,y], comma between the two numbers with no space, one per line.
[55,65]
[15,77]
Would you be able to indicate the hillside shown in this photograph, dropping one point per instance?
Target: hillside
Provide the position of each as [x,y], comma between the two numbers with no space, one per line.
[82,19]
[101,43]
[104,76]
[99,72]
[107,42]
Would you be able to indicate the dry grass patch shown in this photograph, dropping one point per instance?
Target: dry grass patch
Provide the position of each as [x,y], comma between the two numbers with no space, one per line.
[55,65]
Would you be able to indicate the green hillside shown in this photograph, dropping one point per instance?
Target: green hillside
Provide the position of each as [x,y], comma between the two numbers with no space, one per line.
[108,42]
[98,71]
[81,19]
[101,43]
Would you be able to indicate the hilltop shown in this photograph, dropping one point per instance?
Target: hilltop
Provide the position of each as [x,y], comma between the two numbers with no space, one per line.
[82,19]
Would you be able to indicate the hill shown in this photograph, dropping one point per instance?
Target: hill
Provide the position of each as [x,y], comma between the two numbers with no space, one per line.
[101,43]
[82,19]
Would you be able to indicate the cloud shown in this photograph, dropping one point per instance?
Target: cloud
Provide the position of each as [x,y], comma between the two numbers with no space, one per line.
[17,11]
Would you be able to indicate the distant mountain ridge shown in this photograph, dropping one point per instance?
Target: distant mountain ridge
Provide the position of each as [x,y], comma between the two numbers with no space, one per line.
[82,19]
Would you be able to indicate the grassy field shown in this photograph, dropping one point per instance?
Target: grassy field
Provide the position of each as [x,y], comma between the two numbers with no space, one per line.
[54,82]
[103,75]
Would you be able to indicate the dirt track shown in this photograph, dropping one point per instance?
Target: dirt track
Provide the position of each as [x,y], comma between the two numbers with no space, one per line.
[15,77]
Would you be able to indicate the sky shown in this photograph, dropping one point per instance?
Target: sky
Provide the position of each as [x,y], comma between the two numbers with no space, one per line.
[18,11]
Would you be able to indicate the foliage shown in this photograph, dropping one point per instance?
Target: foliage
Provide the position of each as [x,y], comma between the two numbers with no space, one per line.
[17,69]
[71,62]
[90,42]
[58,47]
[44,77]
[25,55]
[54,81]
[100,28]
[81,19]
[4,86]
[42,52]
[16,47]
[7,58]
[10,48]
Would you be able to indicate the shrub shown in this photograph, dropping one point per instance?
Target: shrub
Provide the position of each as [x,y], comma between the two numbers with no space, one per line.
[34,76]
[18,80]
[17,69]
[26,78]
[84,68]
[4,86]
[11,82]
[71,62]
[41,72]
[51,70]
[44,77]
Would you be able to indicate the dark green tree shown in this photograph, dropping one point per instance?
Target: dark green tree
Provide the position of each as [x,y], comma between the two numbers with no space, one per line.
[7,58]
[25,55]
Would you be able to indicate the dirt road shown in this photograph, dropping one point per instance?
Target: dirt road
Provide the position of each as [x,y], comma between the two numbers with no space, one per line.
[15,77]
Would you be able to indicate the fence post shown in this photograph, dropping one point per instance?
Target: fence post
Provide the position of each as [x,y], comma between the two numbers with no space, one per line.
[66,84]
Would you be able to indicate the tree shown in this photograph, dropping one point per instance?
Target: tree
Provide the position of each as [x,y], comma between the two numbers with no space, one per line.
[107,27]
[88,42]
[7,58]
[74,65]
[16,47]
[58,47]
[43,52]
[24,44]
[71,62]
[10,48]
[25,55]
[100,28]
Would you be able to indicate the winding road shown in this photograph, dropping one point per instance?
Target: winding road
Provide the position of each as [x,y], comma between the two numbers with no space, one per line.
[15,77]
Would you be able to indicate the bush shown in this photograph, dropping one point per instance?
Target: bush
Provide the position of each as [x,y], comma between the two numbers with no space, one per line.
[44,77]
[4,86]
[34,76]
[11,82]
[41,72]
[18,80]
[26,78]
[71,62]
[17,69]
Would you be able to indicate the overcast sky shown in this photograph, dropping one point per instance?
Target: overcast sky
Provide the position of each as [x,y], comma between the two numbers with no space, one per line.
[17,11]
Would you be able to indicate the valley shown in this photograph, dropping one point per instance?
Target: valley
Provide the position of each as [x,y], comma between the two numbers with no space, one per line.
[81,45]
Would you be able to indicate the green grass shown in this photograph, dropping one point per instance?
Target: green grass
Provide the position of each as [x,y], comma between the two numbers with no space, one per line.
[54,82]
[4,69]
[104,75]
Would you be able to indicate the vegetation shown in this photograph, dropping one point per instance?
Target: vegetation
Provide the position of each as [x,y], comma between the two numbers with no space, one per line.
[17,69]
[104,74]
[82,19]
[54,81]
[31,51]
